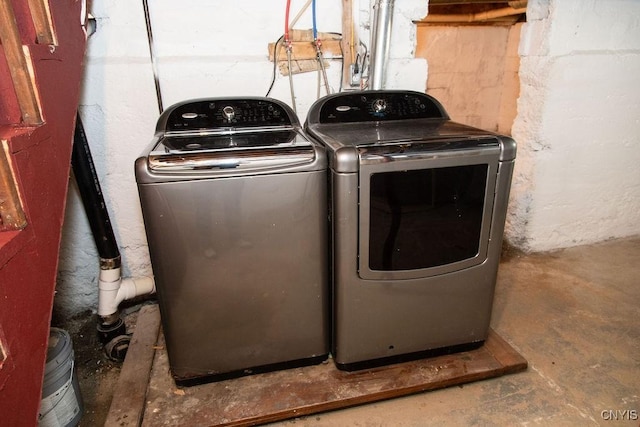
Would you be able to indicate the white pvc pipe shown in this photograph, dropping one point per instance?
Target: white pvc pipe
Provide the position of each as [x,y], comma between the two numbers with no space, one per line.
[112,290]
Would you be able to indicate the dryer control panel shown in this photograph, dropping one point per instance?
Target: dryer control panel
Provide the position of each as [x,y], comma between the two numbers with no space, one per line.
[375,106]
[220,113]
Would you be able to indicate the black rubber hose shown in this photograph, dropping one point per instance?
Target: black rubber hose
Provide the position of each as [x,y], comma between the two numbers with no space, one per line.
[91,194]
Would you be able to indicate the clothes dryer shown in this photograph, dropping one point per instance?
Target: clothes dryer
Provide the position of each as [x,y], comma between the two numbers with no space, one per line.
[418,206]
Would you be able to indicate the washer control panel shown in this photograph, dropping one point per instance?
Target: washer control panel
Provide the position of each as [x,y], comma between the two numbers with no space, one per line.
[226,113]
[375,106]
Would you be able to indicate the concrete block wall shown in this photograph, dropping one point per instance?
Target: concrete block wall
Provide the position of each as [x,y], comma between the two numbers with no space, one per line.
[577,178]
[576,181]
[203,49]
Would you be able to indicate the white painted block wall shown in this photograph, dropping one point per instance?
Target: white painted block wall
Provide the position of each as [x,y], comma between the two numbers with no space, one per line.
[577,178]
[204,49]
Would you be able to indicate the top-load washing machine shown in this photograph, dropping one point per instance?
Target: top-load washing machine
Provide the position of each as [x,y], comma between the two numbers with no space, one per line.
[418,206]
[233,198]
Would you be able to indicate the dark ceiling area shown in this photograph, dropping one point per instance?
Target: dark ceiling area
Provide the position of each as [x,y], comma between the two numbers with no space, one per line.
[475,12]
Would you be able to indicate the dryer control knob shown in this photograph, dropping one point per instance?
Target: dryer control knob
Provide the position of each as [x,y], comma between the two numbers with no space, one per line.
[228,112]
[379,106]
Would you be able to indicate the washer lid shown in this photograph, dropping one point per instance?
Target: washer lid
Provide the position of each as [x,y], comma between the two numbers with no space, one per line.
[178,142]
[242,134]
[238,151]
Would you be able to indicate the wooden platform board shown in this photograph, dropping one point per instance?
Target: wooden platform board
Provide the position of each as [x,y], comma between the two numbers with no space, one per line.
[285,394]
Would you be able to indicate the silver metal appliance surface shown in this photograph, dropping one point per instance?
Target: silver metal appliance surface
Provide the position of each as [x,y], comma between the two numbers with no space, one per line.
[418,206]
[233,197]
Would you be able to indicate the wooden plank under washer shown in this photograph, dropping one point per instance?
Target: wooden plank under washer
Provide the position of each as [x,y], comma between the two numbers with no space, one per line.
[291,393]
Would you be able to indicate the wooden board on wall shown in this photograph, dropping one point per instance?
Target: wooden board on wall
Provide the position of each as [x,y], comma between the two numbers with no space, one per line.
[303,51]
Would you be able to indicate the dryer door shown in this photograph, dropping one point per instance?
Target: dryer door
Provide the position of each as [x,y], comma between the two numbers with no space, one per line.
[424,214]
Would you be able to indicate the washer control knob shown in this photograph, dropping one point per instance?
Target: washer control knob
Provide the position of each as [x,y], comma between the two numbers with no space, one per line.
[379,106]
[228,112]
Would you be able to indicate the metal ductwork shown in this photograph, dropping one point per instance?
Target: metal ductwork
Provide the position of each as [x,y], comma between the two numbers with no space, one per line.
[380,42]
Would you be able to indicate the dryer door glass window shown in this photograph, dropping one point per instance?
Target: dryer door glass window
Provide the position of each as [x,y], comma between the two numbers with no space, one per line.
[426,218]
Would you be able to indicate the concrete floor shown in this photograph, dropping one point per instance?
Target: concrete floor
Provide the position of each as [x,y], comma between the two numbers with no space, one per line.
[574,315]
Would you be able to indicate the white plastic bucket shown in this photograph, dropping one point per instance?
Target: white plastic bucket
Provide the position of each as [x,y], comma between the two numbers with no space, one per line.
[61,404]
